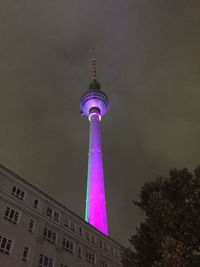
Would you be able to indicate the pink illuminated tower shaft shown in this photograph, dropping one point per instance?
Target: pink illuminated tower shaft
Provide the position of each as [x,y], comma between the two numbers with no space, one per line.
[94,104]
[95,212]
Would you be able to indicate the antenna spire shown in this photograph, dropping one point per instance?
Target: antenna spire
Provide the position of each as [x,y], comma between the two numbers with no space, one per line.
[94,65]
[94,84]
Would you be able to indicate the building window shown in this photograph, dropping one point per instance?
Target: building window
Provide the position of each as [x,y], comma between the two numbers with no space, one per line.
[5,245]
[52,213]
[11,215]
[117,253]
[17,192]
[45,261]
[36,203]
[56,216]
[87,235]
[66,223]
[49,212]
[101,244]
[90,257]
[104,264]
[31,226]
[105,246]
[68,245]
[72,226]
[80,252]
[80,231]
[25,254]
[93,238]
[50,235]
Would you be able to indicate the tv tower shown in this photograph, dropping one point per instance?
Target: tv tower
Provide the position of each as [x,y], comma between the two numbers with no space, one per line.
[94,104]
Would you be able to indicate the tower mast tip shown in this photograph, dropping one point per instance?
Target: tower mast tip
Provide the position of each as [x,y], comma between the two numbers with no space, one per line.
[94,73]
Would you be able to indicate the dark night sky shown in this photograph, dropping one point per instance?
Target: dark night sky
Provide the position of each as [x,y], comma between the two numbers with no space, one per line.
[148,62]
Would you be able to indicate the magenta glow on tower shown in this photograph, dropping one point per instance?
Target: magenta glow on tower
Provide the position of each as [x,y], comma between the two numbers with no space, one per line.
[94,104]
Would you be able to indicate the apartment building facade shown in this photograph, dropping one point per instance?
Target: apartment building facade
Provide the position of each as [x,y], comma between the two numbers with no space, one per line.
[35,230]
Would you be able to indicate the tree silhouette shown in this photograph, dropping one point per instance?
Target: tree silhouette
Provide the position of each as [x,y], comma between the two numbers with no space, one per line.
[170,233]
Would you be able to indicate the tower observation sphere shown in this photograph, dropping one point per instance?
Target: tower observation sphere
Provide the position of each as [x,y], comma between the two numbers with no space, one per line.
[94,104]
[94,100]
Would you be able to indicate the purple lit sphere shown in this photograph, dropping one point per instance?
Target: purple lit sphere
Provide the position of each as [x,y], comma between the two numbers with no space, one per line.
[94,98]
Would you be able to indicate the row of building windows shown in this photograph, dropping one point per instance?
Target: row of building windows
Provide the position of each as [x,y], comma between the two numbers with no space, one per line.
[68,245]
[48,234]
[6,246]
[19,193]
[49,262]
[88,235]
[13,216]
[50,212]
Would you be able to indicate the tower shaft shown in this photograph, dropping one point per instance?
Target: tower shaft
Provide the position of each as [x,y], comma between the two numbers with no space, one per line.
[95,212]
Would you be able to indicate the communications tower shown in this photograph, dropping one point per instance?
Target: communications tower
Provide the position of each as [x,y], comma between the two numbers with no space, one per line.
[94,104]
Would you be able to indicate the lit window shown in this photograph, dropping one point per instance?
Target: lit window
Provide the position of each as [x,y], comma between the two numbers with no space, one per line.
[50,235]
[45,261]
[31,225]
[17,192]
[5,245]
[68,245]
[49,212]
[56,215]
[36,202]
[90,257]
[11,215]
[25,254]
